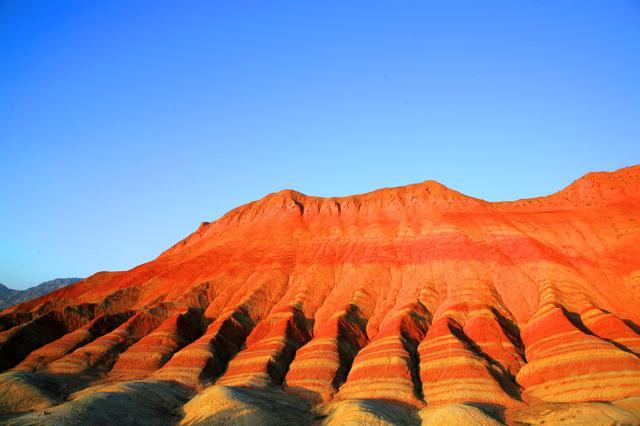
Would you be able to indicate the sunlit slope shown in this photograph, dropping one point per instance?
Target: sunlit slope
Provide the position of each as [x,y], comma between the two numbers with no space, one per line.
[417,294]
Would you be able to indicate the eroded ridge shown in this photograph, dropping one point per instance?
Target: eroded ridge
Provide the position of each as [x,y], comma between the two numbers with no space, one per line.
[321,366]
[496,337]
[102,353]
[565,364]
[17,342]
[387,366]
[454,369]
[270,349]
[206,358]
[156,348]
[42,357]
[611,328]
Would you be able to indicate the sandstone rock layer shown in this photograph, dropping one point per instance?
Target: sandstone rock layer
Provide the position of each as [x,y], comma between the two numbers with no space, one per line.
[417,296]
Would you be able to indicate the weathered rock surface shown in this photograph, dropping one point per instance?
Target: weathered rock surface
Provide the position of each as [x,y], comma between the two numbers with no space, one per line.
[399,306]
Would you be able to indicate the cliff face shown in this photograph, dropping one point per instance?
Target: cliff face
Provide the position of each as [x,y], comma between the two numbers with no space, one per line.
[416,294]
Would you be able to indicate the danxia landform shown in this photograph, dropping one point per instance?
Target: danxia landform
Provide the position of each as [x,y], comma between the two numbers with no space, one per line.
[407,305]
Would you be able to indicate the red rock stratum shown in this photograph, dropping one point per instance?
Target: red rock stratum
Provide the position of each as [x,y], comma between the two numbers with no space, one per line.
[401,305]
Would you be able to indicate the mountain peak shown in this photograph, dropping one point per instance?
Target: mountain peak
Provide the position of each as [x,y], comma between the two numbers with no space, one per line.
[288,202]
[419,200]
[606,187]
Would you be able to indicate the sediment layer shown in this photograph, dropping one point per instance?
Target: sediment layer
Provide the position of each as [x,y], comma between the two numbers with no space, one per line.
[418,298]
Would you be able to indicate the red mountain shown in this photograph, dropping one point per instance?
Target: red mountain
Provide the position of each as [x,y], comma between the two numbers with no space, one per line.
[395,305]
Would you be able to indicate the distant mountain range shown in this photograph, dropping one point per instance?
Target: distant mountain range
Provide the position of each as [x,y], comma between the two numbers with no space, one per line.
[10,297]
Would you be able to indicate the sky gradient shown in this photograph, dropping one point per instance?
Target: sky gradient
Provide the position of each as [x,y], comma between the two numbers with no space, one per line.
[125,124]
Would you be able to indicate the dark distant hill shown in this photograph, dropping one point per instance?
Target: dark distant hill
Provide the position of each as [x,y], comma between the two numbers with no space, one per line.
[10,297]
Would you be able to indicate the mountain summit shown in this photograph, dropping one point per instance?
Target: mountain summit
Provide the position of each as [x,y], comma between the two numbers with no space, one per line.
[390,305]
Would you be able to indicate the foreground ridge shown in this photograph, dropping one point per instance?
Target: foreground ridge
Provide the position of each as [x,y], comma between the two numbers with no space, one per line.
[399,306]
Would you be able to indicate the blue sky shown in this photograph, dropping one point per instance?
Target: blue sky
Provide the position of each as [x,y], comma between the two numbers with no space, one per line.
[124,124]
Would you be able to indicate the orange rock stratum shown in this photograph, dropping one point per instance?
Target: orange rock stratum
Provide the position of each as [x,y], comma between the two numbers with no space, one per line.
[403,305]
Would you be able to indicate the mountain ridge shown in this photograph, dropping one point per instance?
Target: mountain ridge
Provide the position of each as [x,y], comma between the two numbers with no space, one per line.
[407,300]
[10,297]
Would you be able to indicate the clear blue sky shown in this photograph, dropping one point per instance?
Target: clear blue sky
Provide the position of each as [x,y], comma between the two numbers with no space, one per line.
[124,124]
